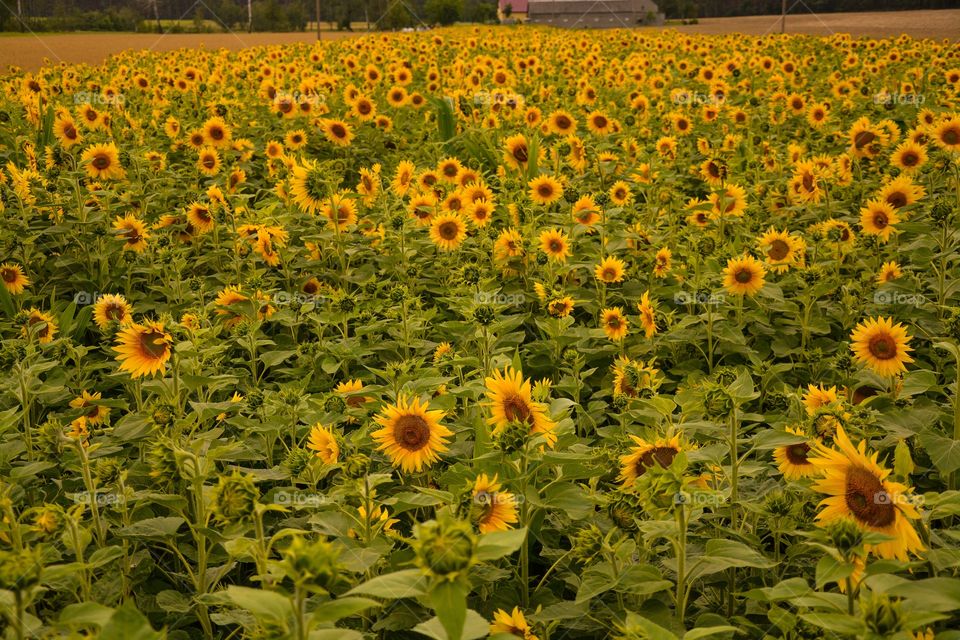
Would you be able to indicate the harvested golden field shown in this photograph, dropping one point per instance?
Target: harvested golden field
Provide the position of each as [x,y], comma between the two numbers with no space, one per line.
[483,332]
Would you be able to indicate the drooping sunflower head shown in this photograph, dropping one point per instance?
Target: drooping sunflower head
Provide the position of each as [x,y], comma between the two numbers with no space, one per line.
[324,442]
[411,434]
[143,349]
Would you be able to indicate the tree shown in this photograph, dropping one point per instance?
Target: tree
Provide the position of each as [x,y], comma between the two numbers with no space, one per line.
[444,12]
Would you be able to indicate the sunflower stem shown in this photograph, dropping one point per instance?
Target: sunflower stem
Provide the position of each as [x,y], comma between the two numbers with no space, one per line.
[681,550]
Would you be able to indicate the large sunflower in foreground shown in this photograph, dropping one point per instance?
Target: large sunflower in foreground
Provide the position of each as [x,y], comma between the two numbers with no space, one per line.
[143,349]
[494,509]
[645,455]
[882,345]
[859,491]
[510,399]
[411,434]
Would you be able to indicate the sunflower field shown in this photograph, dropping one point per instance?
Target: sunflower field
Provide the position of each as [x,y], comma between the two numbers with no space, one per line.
[483,332]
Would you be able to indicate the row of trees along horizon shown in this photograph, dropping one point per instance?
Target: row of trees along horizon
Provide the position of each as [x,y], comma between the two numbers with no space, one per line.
[300,15]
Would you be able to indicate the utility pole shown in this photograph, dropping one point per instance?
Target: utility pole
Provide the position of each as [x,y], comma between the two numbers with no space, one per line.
[318,19]
[783,16]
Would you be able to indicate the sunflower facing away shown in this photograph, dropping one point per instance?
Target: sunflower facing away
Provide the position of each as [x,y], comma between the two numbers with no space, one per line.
[324,442]
[494,509]
[882,345]
[143,349]
[859,491]
[648,310]
[510,399]
[411,434]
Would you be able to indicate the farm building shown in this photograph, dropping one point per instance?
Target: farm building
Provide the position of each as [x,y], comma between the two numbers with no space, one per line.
[515,10]
[594,14]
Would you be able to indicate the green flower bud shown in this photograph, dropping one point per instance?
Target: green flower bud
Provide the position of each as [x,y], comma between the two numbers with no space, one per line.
[20,570]
[445,548]
[297,461]
[312,562]
[235,498]
[717,403]
[882,616]
[484,314]
[586,544]
[846,536]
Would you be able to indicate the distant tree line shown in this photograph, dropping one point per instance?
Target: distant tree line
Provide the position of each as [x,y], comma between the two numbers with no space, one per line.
[216,15]
[297,15]
[724,8]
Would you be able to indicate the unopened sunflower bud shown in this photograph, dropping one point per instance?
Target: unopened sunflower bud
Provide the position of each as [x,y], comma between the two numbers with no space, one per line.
[235,498]
[586,544]
[484,314]
[334,404]
[778,504]
[297,461]
[312,562]
[882,616]
[846,536]
[356,465]
[717,403]
[445,548]
[512,437]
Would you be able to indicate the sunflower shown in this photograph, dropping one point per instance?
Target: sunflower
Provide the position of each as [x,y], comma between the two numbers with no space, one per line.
[350,389]
[620,193]
[448,169]
[422,207]
[509,398]
[793,459]
[614,323]
[94,413]
[779,249]
[632,377]
[744,276]
[866,139]
[337,132]
[309,186]
[495,510]
[226,299]
[102,162]
[859,491]
[132,231]
[882,346]
[323,440]
[598,123]
[516,153]
[143,349]
[648,311]
[731,202]
[545,190]
[878,219]
[509,244]
[66,132]
[14,281]
[889,271]
[818,396]
[110,308]
[561,123]
[403,177]
[216,132]
[208,161]
[480,213]
[340,210]
[610,271]
[909,156]
[511,623]
[448,231]
[646,454]
[200,217]
[560,307]
[661,262]
[585,211]
[946,135]
[901,192]
[47,328]
[555,244]
[412,435]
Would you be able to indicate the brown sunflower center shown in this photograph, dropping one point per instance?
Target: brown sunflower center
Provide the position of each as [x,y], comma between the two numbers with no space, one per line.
[411,432]
[114,311]
[867,500]
[338,131]
[882,346]
[153,344]
[562,122]
[70,132]
[951,136]
[743,276]
[897,199]
[609,274]
[556,246]
[520,153]
[713,170]
[545,190]
[448,230]
[808,181]
[600,122]
[516,408]
[910,159]
[880,219]
[797,453]
[863,138]
[8,275]
[216,133]
[209,162]
[779,249]
[101,161]
[662,456]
